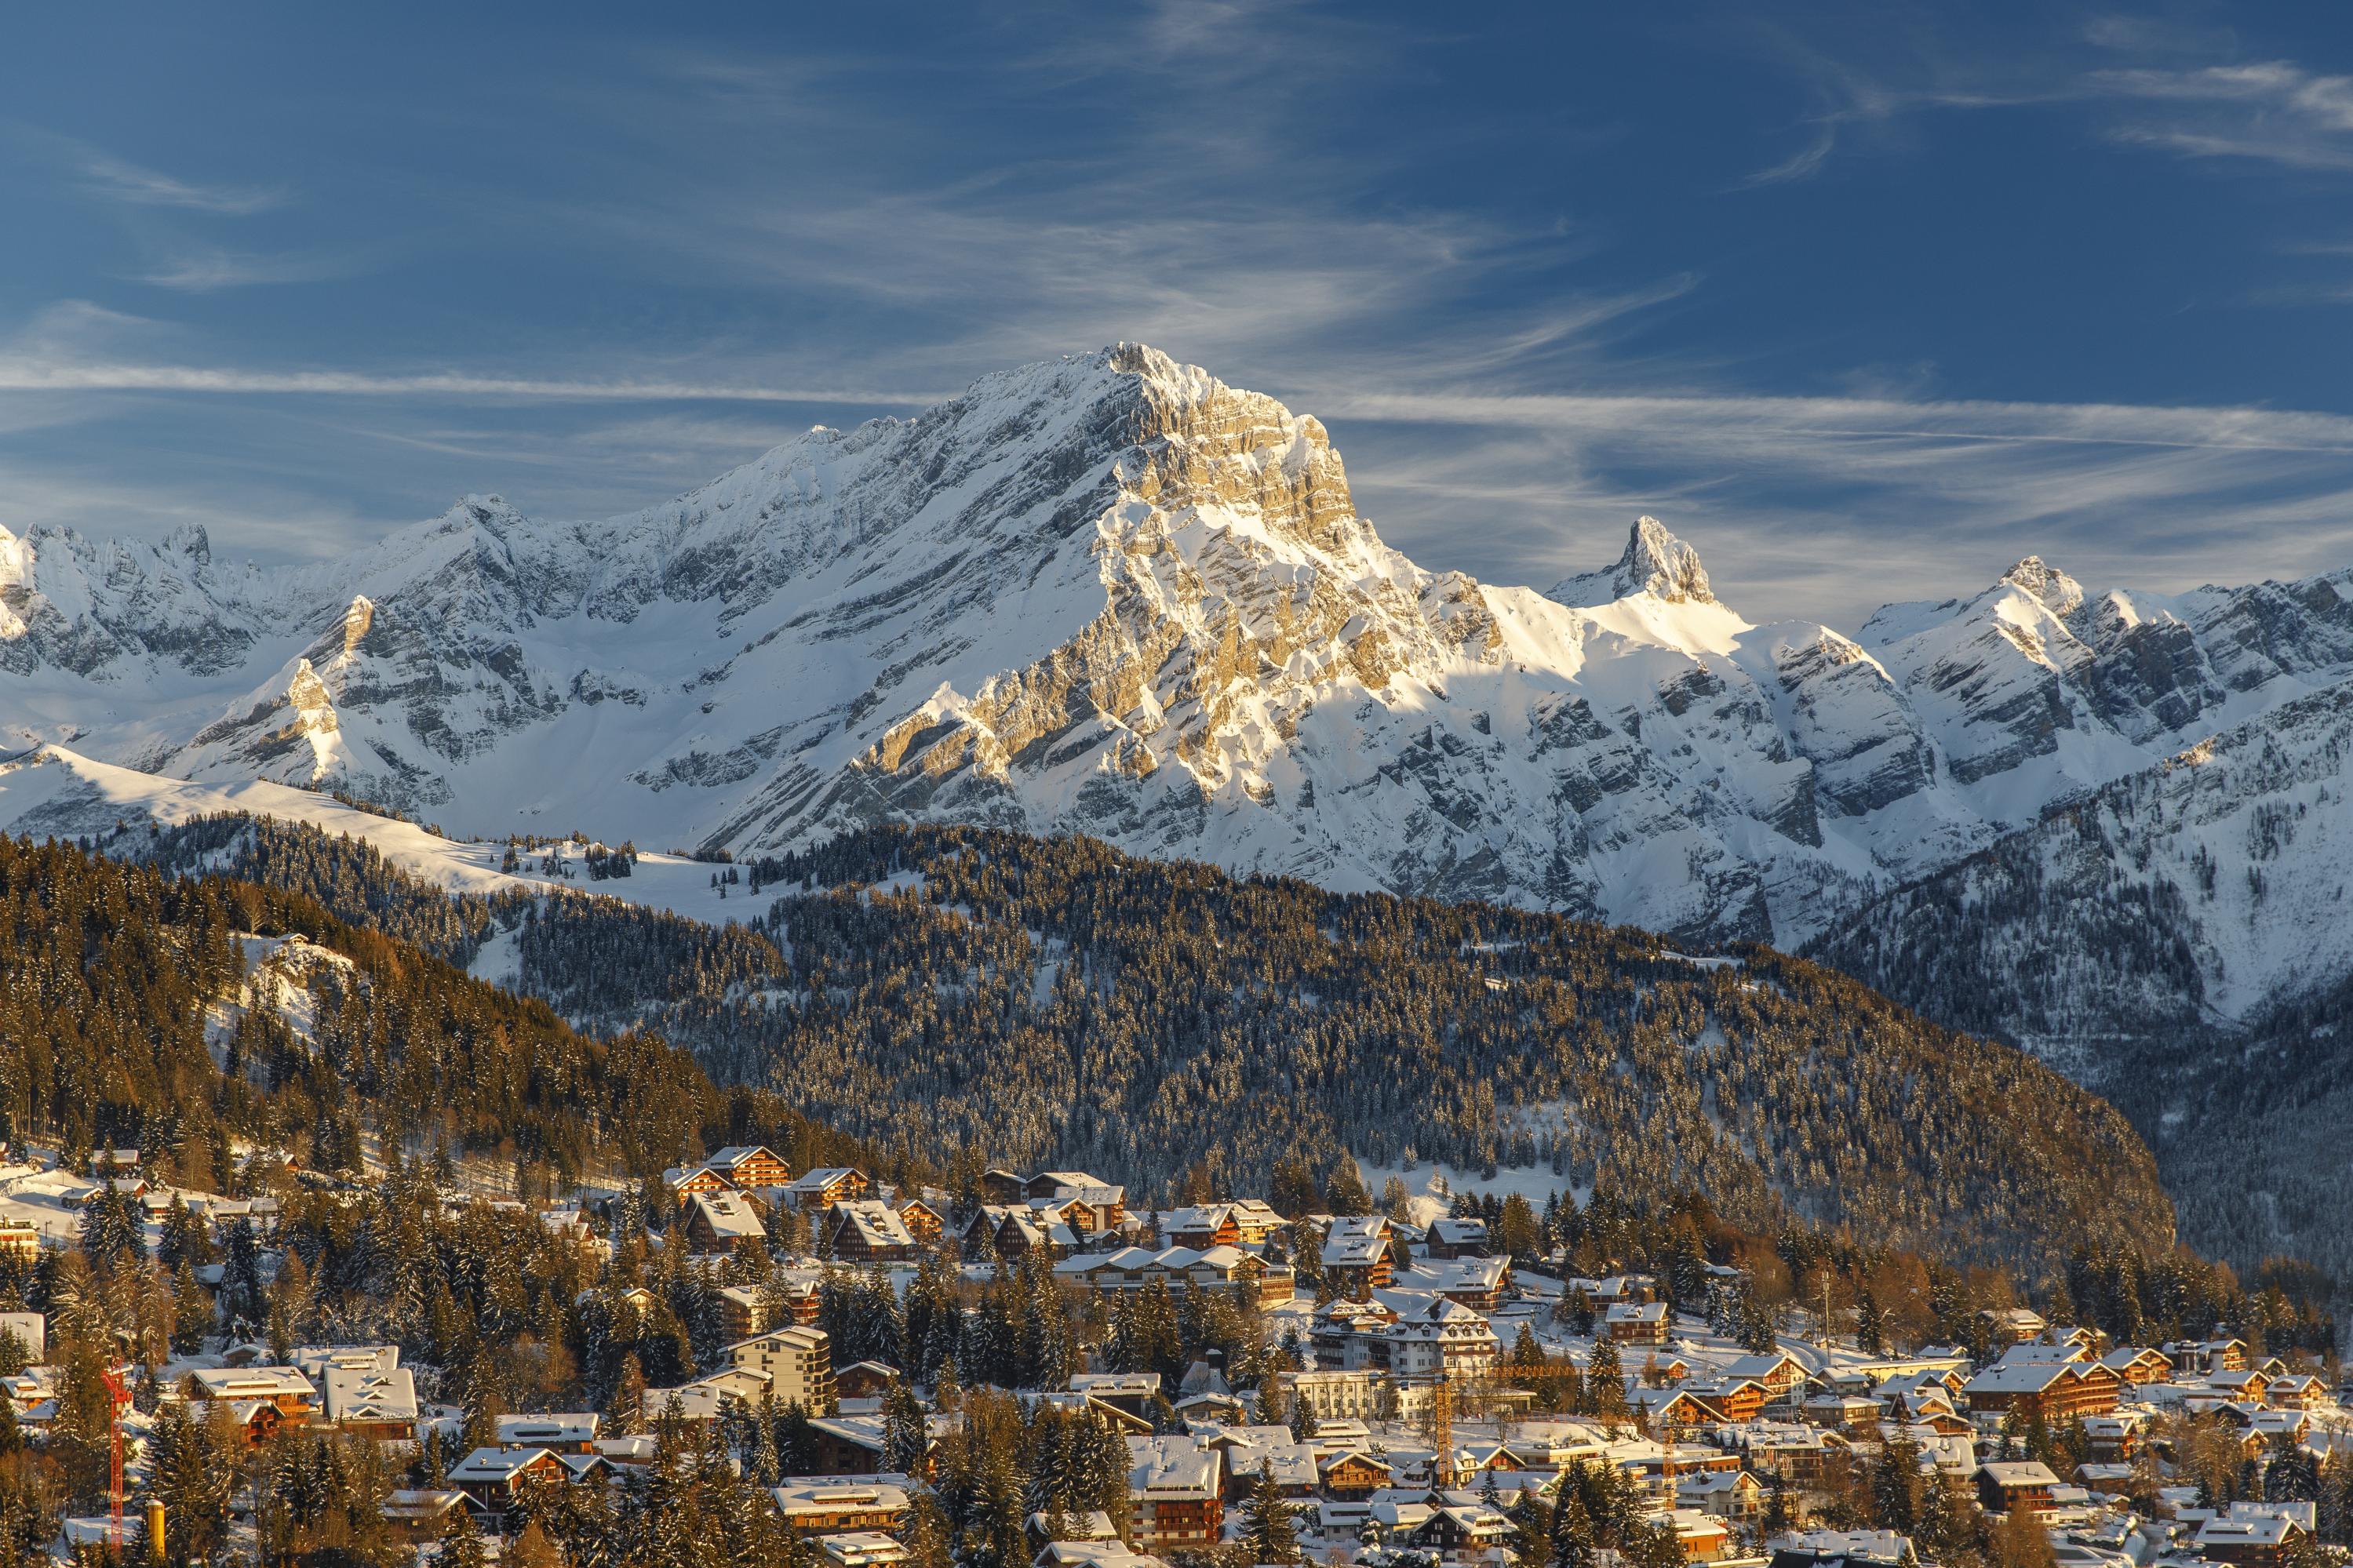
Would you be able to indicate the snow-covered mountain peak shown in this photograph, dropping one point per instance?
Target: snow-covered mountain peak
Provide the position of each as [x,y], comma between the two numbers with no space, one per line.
[189,540]
[1655,561]
[2057,592]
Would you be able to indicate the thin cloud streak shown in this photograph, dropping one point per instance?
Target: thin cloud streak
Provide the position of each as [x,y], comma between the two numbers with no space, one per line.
[203,271]
[2233,429]
[101,173]
[17,374]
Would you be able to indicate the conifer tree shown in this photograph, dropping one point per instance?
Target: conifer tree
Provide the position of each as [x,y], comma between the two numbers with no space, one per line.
[462,1542]
[1267,1531]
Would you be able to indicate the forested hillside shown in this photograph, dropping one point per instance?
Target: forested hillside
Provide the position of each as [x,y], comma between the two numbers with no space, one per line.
[1061,1003]
[119,1026]
[2248,1125]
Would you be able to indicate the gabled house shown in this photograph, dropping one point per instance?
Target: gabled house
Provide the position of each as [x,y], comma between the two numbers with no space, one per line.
[864,1380]
[1461,1533]
[868,1230]
[1356,1256]
[1352,1473]
[750,1166]
[924,1222]
[1781,1374]
[1054,1183]
[373,1402]
[1733,1495]
[2013,1325]
[2248,1386]
[416,1516]
[2139,1365]
[824,1188]
[1028,1228]
[686,1181]
[2005,1487]
[2194,1357]
[492,1478]
[1203,1226]
[998,1185]
[1674,1412]
[714,1222]
[2296,1390]
[1636,1323]
[1465,1236]
[2260,1542]
[1479,1283]
[2056,1391]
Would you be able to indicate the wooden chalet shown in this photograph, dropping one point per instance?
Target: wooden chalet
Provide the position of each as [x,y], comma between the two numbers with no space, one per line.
[1356,1256]
[2246,1538]
[750,1166]
[494,1479]
[1461,1236]
[1637,1322]
[924,1222]
[686,1181]
[824,1188]
[814,1510]
[2139,1365]
[1203,1226]
[868,1230]
[2005,1487]
[864,1380]
[1352,1474]
[716,1221]
[2057,1390]
[1002,1186]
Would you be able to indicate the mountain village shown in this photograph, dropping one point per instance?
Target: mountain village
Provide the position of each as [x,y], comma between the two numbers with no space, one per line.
[1410,1384]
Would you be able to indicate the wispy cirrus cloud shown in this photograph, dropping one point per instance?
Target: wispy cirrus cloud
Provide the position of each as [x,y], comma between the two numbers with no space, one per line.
[19,374]
[2141,82]
[202,269]
[2272,111]
[102,173]
[1914,495]
[76,346]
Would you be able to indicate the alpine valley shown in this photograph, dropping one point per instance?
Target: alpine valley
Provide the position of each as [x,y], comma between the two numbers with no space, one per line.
[1111,596]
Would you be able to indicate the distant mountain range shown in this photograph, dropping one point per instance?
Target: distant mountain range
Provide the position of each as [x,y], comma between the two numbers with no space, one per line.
[1109,594]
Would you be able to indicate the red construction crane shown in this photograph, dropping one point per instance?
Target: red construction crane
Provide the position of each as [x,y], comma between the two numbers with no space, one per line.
[118,1385]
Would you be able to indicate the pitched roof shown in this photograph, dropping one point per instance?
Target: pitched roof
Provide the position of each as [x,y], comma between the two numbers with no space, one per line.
[728,1215]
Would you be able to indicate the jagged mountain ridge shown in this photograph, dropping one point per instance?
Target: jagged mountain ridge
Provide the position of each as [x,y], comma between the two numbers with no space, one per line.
[2176,940]
[1110,594]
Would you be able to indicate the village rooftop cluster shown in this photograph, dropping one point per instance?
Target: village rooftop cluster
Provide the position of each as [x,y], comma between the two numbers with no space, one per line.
[1421,1398]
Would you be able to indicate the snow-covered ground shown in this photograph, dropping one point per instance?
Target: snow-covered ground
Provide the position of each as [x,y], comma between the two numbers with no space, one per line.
[55,792]
[1430,1187]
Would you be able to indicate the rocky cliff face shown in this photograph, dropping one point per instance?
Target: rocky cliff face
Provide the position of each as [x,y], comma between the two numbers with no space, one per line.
[1110,594]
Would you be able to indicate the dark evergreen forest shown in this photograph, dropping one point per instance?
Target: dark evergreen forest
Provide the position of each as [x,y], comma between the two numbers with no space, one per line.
[1065,1005]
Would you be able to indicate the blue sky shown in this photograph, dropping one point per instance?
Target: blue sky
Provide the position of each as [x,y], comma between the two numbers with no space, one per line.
[1864,301]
